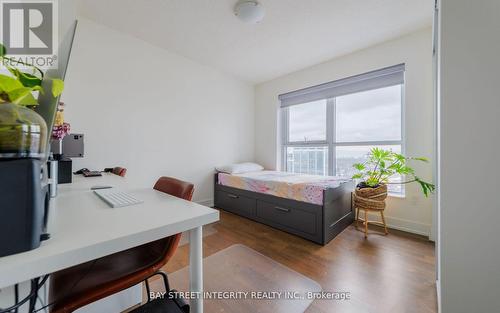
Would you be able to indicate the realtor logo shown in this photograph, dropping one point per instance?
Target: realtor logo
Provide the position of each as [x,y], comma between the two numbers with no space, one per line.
[28,27]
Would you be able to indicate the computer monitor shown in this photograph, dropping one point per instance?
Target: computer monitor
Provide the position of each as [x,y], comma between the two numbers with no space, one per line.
[47,103]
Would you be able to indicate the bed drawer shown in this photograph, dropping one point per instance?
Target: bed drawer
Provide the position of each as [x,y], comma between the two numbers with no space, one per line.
[293,219]
[235,203]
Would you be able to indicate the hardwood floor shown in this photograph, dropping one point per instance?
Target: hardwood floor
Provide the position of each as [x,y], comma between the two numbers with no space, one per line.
[394,273]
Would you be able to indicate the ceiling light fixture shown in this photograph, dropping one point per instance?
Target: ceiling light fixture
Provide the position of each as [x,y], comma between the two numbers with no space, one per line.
[249,11]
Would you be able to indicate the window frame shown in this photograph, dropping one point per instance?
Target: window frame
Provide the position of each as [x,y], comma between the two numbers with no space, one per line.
[331,142]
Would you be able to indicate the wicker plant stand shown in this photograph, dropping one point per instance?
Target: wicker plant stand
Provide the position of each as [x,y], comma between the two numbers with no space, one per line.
[370,200]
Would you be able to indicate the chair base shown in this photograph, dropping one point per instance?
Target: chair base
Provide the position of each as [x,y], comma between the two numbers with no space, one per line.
[366,221]
[170,303]
[159,306]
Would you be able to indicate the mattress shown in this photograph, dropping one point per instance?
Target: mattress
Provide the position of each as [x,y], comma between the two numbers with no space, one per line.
[300,187]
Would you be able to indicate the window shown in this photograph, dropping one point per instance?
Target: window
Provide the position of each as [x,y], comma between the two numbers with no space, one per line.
[328,128]
[373,115]
[307,122]
[307,160]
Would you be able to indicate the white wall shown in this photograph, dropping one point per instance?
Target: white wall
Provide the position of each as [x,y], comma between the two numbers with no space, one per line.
[154,112]
[469,156]
[67,15]
[414,213]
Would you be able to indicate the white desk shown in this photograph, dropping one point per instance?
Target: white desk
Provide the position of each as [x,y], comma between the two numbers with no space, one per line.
[85,228]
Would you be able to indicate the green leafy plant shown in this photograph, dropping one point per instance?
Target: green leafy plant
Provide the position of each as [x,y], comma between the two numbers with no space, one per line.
[20,86]
[382,164]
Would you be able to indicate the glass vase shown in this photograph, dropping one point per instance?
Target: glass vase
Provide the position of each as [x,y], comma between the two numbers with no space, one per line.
[23,132]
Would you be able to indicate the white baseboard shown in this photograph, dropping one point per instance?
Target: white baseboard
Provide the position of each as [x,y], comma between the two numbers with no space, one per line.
[404,225]
[206,202]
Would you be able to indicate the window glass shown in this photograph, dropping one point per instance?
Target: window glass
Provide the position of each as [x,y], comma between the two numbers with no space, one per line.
[373,115]
[358,122]
[307,122]
[346,156]
[307,160]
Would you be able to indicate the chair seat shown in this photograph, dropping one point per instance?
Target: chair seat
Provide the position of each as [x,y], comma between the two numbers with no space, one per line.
[128,266]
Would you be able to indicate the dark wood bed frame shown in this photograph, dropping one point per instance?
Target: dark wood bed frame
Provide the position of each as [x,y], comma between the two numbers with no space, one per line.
[318,223]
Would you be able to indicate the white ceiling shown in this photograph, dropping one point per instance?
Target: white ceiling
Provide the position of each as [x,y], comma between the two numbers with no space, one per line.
[293,35]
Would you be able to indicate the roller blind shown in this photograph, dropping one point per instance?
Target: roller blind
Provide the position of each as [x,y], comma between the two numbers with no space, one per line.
[385,77]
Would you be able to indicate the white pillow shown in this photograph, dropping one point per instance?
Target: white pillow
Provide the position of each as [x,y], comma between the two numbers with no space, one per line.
[240,168]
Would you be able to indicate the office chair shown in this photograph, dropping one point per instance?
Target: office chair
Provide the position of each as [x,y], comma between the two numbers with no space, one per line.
[120,171]
[77,286]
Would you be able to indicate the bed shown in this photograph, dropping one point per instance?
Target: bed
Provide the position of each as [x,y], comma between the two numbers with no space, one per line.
[313,207]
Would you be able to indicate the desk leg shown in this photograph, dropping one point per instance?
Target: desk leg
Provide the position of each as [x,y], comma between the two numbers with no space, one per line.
[196,268]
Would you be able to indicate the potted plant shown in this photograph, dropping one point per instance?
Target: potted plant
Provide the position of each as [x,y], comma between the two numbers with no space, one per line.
[22,130]
[375,173]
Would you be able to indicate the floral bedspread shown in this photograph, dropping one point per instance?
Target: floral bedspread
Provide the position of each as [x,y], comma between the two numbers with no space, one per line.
[300,187]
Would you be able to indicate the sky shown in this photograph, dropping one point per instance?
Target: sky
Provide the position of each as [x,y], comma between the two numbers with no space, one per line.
[365,116]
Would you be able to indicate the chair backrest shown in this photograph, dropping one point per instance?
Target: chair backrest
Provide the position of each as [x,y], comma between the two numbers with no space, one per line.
[165,248]
[120,171]
[175,187]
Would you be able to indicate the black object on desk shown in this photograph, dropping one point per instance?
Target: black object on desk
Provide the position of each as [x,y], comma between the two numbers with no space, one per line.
[80,171]
[24,203]
[92,173]
[64,170]
[88,173]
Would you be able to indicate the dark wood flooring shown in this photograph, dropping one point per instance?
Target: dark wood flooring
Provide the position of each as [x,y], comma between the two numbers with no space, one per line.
[394,273]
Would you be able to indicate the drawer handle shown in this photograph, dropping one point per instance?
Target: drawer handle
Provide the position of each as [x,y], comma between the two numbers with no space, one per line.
[232,196]
[282,209]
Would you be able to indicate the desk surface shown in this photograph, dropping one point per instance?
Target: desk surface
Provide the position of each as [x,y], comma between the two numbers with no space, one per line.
[85,228]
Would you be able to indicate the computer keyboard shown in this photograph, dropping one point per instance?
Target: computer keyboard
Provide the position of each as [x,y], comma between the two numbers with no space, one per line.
[116,198]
